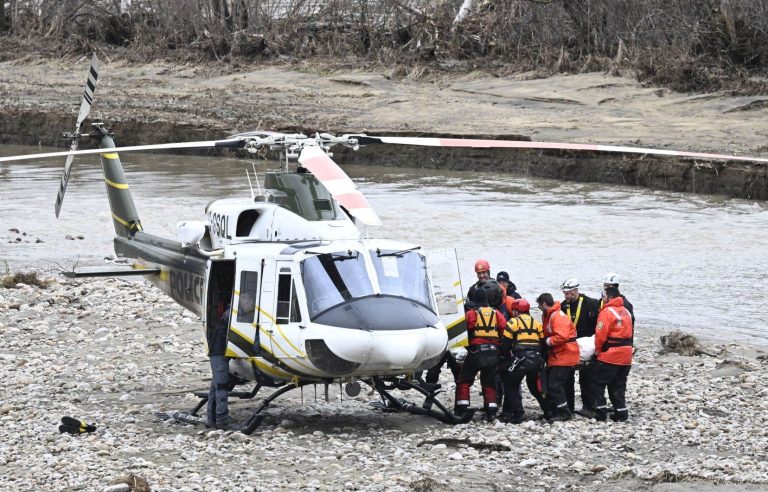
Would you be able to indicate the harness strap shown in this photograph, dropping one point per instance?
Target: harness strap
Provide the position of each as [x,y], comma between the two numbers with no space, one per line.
[578,311]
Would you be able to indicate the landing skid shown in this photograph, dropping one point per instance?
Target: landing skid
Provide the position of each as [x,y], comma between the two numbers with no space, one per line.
[388,403]
[391,404]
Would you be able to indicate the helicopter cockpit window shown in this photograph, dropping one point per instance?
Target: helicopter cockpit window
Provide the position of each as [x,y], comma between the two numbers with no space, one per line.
[249,284]
[403,274]
[332,278]
[303,195]
[287,303]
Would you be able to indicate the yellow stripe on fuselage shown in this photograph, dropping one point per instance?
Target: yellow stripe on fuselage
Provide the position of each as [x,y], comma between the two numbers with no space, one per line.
[124,222]
[120,186]
[270,368]
[294,347]
[241,334]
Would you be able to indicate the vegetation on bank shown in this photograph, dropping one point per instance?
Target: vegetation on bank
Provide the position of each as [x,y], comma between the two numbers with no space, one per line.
[11,280]
[688,45]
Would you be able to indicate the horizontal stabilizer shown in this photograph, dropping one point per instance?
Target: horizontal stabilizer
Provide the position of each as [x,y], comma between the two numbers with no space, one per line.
[111,272]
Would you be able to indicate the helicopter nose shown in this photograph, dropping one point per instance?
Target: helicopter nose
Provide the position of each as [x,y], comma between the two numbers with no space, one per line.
[408,349]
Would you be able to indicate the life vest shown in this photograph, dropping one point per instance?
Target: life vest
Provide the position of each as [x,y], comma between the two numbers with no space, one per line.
[486,325]
[524,331]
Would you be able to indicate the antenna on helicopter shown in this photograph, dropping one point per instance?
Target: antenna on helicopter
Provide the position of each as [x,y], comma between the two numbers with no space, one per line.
[256,177]
[247,175]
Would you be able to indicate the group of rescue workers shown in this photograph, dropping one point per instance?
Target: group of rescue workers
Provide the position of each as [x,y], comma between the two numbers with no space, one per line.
[506,345]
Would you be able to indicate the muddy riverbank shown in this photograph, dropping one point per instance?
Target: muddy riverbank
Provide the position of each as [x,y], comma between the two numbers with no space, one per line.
[162,102]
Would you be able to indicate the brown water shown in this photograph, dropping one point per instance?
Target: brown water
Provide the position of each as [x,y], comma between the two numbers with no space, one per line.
[689,262]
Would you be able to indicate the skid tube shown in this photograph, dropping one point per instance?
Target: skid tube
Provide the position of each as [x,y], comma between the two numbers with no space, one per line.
[391,403]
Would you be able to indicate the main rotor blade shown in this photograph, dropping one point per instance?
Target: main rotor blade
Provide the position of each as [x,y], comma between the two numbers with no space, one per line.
[339,185]
[516,144]
[236,143]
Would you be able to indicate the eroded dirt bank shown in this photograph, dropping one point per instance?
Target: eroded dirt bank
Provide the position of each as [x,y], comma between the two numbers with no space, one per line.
[158,103]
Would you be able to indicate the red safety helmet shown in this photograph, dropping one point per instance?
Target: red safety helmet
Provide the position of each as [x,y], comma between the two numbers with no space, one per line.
[482,266]
[521,306]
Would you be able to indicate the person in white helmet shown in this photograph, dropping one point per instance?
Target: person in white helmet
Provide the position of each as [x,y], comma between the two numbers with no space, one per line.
[583,311]
[612,279]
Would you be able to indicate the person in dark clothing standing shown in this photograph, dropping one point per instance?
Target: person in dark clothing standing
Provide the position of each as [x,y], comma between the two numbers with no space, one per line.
[218,394]
[522,355]
[510,289]
[583,312]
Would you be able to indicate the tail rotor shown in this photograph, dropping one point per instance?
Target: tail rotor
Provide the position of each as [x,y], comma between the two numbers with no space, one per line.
[85,109]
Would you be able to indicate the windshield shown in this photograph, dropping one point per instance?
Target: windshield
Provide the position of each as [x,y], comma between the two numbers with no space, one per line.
[332,278]
[403,274]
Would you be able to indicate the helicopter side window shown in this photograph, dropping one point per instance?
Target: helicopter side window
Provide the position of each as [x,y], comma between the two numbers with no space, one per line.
[287,303]
[249,284]
[245,222]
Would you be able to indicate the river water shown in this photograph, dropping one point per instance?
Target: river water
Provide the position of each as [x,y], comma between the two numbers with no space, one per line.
[688,262]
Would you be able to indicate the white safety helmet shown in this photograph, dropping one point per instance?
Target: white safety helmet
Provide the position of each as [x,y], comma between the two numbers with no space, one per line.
[611,278]
[570,284]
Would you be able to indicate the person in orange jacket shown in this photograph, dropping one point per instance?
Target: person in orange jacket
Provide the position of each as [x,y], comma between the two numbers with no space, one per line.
[613,348]
[562,355]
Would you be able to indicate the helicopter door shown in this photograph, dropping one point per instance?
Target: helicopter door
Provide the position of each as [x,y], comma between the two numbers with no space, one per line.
[221,279]
[243,333]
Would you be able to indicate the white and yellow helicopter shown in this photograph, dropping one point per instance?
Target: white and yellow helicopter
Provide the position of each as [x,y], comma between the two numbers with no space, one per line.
[330,304]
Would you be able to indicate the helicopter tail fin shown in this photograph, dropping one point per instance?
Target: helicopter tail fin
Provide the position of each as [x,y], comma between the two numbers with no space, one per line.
[124,215]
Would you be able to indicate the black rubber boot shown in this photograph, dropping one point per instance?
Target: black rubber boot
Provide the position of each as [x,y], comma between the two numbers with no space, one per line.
[460,410]
[621,416]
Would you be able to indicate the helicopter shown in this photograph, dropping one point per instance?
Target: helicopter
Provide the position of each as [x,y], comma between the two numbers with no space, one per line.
[329,304]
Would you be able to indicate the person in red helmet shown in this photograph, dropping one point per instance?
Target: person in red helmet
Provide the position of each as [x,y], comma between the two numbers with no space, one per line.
[613,347]
[483,271]
[522,355]
[562,355]
[484,325]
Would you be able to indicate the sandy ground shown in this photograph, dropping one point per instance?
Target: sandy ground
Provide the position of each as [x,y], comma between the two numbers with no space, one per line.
[590,107]
[114,352]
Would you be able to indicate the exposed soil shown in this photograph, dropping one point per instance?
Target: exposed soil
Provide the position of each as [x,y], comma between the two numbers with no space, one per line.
[162,102]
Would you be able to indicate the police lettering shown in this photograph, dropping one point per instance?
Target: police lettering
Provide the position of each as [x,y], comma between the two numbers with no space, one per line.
[186,287]
[219,224]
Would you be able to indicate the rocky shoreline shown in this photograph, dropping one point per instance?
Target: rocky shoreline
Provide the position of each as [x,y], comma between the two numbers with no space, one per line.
[114,352]
[166,102]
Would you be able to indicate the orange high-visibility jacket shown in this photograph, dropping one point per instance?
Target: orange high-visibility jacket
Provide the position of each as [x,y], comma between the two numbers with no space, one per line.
[560,338]
[614,333]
